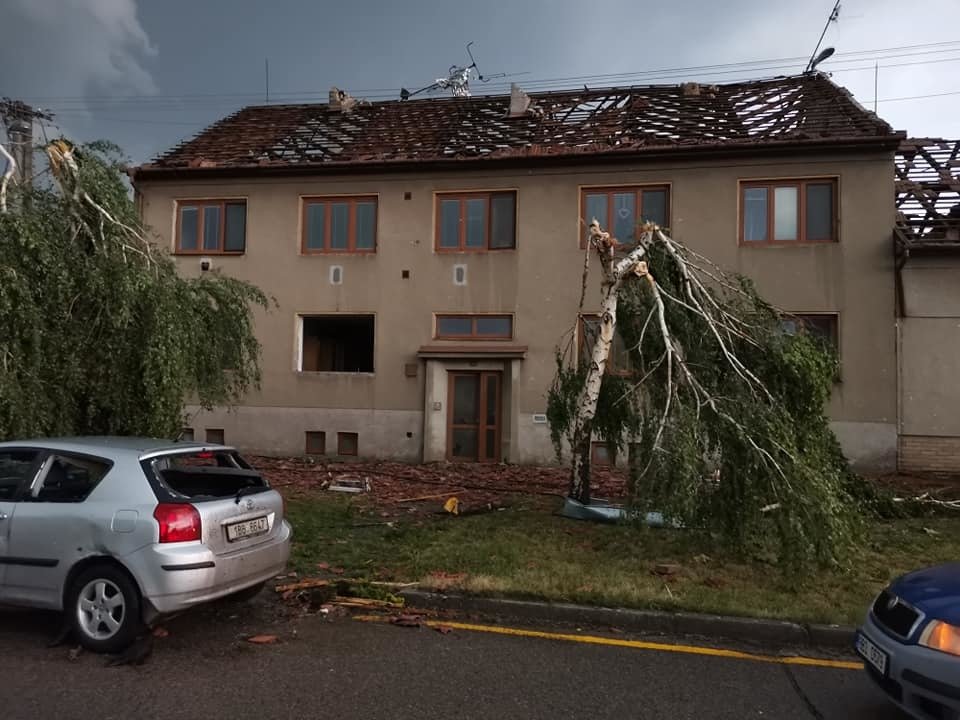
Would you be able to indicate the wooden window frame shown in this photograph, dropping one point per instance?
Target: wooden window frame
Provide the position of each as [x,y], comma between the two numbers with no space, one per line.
[351,201]
[801,185]
[597,445]
[221,441]
[582,339]
[833,316]
[319,435]
[341,436]
[486,195]
[610,191]
[221,240]
[473,317]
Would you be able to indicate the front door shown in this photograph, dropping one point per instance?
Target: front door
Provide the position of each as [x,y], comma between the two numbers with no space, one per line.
[474,428]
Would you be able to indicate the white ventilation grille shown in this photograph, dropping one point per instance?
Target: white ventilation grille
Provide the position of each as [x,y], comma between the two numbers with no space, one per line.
[459,274]
[336,274]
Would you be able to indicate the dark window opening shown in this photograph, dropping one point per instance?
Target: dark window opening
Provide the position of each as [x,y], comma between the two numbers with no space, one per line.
[600,454]
[16,468]
[186,435]
[348,443]
[337,343]
[316,442]
[823,326]
[215,436]
[71,479]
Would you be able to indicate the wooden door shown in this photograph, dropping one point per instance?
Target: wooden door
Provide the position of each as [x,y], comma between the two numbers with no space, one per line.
[474,419]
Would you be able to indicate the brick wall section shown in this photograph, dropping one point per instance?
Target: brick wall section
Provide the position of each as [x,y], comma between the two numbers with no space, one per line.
[925,453]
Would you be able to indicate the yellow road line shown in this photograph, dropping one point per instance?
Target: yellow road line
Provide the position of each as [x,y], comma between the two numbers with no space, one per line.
[635,644]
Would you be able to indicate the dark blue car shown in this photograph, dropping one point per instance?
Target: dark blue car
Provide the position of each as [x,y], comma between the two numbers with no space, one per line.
[910,642]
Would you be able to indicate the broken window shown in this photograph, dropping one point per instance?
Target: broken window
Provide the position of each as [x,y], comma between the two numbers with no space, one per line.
[618,361]
[214,227]
[339,225]
[337,343]
[789,211]
[474,327]
[205,475]
[476,221]
[621,210]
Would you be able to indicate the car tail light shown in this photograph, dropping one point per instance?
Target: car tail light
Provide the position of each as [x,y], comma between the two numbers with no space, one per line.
[179,522]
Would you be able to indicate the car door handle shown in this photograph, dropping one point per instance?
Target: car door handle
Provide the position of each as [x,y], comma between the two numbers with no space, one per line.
[3,516]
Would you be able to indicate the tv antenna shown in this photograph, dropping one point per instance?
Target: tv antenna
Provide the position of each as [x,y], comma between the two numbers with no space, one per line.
[816,59]
[457,80]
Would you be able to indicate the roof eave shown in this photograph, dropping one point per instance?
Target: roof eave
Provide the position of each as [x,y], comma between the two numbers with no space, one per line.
[520,159]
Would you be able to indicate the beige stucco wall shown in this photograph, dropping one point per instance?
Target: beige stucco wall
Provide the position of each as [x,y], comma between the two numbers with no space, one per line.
[540,281]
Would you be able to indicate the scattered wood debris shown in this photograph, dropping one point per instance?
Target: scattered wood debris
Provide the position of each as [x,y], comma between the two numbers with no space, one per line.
[407,620]
[263,639]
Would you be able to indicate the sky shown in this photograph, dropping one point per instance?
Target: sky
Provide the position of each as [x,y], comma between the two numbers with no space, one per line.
[147,74]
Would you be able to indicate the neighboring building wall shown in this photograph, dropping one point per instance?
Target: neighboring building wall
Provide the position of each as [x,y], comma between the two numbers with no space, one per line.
[930,366]
[540,283]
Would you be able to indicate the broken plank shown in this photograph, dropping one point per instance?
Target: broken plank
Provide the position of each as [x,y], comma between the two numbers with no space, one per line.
[430,497]
[302,585]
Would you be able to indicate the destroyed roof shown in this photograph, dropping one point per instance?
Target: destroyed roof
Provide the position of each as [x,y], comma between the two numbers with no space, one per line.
[928,195]
[803,110]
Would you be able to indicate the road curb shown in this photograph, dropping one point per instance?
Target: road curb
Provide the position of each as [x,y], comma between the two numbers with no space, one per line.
[753,630]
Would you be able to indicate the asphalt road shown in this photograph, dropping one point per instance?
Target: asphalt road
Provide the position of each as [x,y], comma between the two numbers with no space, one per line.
[343,668]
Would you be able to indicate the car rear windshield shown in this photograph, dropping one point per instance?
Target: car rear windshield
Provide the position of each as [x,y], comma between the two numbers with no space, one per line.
[206,475]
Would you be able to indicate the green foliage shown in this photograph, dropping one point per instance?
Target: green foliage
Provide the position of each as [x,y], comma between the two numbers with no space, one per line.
[756,470]
[96,339]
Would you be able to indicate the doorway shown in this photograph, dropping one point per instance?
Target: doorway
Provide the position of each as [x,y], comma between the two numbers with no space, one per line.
[474,421]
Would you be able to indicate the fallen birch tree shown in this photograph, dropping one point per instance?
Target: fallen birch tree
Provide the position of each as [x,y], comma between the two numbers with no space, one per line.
[722,412]
[99,334]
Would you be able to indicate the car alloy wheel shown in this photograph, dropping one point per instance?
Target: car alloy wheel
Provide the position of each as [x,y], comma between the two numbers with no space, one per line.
[101,609]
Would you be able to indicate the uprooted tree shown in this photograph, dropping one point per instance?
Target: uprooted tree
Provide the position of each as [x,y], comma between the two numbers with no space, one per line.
[98,332]
[722,412]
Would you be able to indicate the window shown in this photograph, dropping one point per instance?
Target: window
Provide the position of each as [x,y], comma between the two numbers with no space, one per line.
[339,225]
[186,435]
[474,327]
[600,454]
[212,227]
[337,343]
[16,470]
[215,436]
[620,210]
[476,222]
[824,326]
[347,443]
[316,442]
[789,211]
[618,362]
[71,479]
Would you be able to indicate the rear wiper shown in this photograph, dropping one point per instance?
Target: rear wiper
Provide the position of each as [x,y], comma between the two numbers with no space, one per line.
[249,490]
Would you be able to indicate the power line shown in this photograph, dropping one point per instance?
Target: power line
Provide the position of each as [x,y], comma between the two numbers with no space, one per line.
[721,68]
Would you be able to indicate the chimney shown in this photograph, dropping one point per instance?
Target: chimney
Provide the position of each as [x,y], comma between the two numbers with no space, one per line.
[521,104]
[340,100]
[690,89]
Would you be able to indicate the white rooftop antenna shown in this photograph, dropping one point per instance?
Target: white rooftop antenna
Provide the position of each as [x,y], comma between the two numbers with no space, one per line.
[457,80]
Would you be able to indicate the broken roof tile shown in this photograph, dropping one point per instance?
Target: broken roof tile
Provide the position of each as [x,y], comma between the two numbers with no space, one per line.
[633,119]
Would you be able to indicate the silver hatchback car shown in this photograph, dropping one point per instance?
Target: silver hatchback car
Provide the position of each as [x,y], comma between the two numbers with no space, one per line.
[118,531]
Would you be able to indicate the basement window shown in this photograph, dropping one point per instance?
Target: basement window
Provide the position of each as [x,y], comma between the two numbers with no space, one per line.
[316,442]
[348,443]
[337,343]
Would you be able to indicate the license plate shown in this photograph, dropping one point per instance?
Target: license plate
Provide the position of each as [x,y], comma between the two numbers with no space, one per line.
[247,529]
[871,653]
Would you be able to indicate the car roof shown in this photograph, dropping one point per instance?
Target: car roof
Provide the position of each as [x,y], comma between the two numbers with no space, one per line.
[113,445]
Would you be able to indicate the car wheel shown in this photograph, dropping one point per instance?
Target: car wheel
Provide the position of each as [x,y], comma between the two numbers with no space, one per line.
[246,594]
[104,609]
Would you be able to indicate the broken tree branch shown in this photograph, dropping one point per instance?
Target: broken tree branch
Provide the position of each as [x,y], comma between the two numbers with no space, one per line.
[7,174]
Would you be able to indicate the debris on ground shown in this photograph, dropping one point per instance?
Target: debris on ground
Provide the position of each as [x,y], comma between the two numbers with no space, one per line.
[407,620]
[75,653]
[452,506]
[443,629]
[263,639]
[349,484]
[401,489]
[161,632]
[666,569]
[302,585]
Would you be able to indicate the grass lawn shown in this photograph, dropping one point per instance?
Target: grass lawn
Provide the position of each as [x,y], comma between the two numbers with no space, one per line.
[528,552]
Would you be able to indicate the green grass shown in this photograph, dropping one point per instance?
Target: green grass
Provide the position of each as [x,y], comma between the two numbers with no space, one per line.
[528,552]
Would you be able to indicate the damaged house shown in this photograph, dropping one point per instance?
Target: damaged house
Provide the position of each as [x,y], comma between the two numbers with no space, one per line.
[426,255]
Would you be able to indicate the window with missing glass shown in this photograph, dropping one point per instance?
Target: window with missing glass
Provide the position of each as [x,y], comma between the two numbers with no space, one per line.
[824,326]
[788,211]
[476,222]
[211,227]
[622,210]
[339,225]
[474,327]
